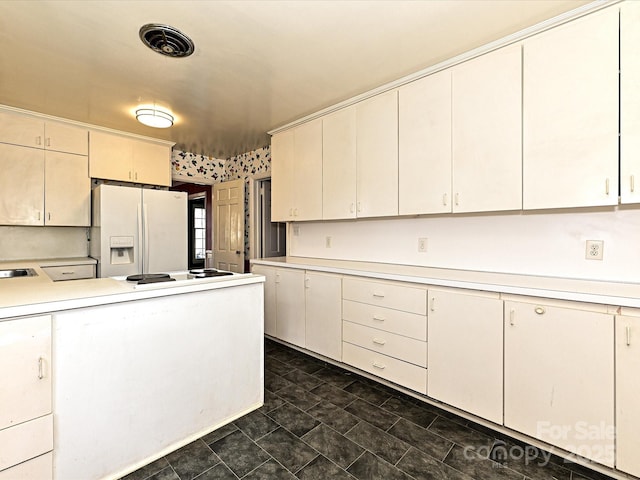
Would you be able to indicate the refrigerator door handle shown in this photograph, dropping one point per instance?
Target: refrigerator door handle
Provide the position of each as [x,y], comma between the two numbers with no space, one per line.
[141,266]
[145,217]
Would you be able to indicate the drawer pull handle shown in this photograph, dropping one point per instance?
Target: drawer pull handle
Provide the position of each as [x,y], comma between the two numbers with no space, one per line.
[628,336]
[512,314]
[606,188]
[378,294]
[433,304]
[540,310]
[377,341]
[379,365]
[378,318]
[67,273]
[633,186]
[444,199]
[40,368]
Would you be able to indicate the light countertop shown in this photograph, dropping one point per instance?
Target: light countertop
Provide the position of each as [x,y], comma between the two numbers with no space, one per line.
[583,290]
[39,294]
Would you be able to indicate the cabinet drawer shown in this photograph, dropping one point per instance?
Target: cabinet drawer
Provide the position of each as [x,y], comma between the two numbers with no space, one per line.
[39,468]
[389,295]
[25,441]
[387,319]
[70,272]
[394,370]
[396,346]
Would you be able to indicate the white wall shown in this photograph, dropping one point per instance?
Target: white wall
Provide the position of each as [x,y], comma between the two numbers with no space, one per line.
[25,243]
[549,243]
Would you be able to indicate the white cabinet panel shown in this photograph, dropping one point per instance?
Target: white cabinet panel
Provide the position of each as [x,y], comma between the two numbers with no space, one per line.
[62,137]
[282,177]
[465,354]
[21,185]
[269,297]
[487,132]
[389,368]
[26,440]
[627,394]
[377,155]
[151,163]
[629,103]
[323,313]
[39,468]
[570,114]
[559,377]
[396,346]
[386,294]
[424,163]
[339,164]
[290,309]
[20,129]
[67,190]
[388,319]
[307,171]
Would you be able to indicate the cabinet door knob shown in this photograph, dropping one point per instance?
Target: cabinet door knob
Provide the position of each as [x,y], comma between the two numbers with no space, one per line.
[512,315]
[38,140]
[433,304]
[457,199]
[47,142]
[539,310]
[606,186]
[632,181]
[628,335]
[444,199]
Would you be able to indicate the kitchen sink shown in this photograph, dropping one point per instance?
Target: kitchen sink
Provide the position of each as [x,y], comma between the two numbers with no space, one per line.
[18,272]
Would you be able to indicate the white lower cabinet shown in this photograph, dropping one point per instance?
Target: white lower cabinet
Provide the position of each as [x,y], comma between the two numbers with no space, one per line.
[559,376]
[627,393]
[384,330]
[303,309]
[465,359]
[323,314]
[39,468]
[26,422]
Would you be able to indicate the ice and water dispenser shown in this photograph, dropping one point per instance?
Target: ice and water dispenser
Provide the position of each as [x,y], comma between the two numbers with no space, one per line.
[121,250]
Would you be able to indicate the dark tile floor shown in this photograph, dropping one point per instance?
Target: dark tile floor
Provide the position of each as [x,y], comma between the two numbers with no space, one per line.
[321,422]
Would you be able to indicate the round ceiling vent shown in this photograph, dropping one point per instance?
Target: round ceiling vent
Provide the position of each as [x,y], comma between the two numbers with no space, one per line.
[166,40]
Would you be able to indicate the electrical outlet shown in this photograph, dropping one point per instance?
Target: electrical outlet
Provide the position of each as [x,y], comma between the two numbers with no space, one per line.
[327,242]
[594,250]
[422,245]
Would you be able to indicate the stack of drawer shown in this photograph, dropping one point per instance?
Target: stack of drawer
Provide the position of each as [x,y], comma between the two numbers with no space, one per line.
[384,330]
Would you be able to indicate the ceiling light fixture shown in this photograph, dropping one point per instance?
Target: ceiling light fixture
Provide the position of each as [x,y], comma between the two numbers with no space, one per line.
[154,117]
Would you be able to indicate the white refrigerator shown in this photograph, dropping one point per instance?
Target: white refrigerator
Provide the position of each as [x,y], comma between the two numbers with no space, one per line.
[138,230]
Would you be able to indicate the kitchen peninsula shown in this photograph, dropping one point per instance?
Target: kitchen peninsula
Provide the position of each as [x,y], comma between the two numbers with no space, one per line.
[107,376]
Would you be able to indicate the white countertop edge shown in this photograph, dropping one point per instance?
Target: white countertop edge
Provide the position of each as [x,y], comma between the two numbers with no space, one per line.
[89,300]
[603,299]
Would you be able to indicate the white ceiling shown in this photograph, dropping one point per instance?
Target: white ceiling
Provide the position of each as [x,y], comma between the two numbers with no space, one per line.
[257,64]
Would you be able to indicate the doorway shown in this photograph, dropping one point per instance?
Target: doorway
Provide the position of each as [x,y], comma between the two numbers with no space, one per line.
[197,225]
[269,239]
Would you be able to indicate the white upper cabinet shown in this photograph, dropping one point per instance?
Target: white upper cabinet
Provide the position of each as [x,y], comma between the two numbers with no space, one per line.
[629,103]
[570,116]
[296,173]
[21,185]
[487,132]
[67,190]
[377,155]
[118,157]
[307,171]
[424,163]
[339,164]
[282,177]
[33,131]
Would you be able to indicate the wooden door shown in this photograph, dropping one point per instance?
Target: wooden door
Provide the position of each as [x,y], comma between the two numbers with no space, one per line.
[323,307]
[570,114]
[228,225]
[21,185]
[465,335]
[629,103]
[377,155]
[339,164]
[424,162]
[67,190]
[627,394]
[559,377]
[487,132]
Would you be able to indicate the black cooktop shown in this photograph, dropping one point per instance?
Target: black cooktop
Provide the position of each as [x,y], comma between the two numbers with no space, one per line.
[208,272]
[144,278]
